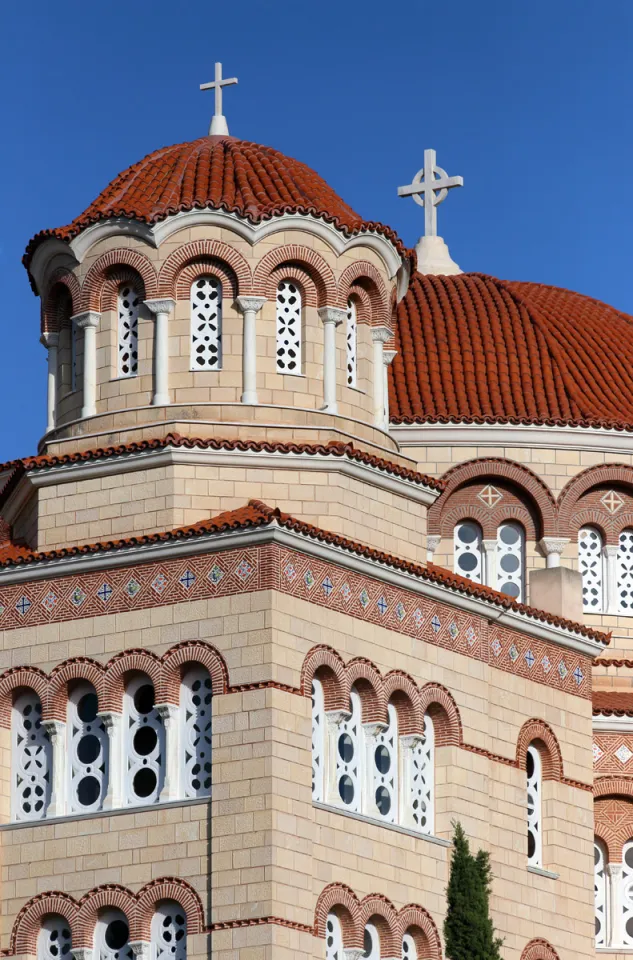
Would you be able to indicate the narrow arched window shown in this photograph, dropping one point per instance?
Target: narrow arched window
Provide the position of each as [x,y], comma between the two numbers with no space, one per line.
[129,303]
[318,740]
[626,894]
[32,759]
[421,780]
[73,357]
[169,932]
[333,938]
[349,748]
[591,566]
[144,743]
[350,343]
[385,769]
[409,949]
[54,940]
[371,942]
[534,823]
[87,751]
[625,572]
[289,333]
[600,893]
[195,705]
[511,560]
[206,324]
[112,936]
[467,545]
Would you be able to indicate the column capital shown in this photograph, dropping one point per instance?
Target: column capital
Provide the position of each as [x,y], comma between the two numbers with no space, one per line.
[90,318]
[334,717]
[613,870]
[166,711]
[140,949]
[381,334]
[611,550]
[333,315]
[433,541]
[81,953]
[353,953]
[109,718]
[387,356]
[489,545]
[552,547]
[250,303]
[54,728]
[166,305]
[49,339]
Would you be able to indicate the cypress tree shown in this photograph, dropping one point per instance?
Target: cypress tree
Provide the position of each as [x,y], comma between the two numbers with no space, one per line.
[468,929]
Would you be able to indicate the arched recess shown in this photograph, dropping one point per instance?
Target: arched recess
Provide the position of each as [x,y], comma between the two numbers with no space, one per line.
[141,661]
[441,707]
[169,888]
[613,821]
[60,303]
[539,950]
[31,678]
[400,690]
[189,652]
[103,276]
[381,912]
[543,737]
[364,275]
[324,662]
[111,895]
[341,900]
[420,924]
[172,280]
[615,473]
[362,302]
[77,668]
[366,679]
[487,470]
[26,926]
[267,276]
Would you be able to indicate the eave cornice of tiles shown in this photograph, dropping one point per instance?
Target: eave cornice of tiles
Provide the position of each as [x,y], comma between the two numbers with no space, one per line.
[612,724]
[596,439]
[290,539]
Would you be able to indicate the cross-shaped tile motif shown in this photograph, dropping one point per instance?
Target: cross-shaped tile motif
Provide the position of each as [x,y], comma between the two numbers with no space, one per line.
[612,501]
[490,496]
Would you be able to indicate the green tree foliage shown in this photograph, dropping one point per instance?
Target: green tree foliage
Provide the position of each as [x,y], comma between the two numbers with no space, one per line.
[468,929]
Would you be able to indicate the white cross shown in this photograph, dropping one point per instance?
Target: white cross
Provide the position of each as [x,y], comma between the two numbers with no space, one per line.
[433,189]
[219,125]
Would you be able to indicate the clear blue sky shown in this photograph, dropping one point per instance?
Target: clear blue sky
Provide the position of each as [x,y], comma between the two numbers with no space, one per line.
[529,101]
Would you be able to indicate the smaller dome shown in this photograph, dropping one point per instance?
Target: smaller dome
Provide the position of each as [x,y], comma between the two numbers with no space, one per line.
[221,173]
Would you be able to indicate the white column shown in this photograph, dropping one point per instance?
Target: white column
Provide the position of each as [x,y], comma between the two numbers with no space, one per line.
[88,322]
[51,341]
[613,904]
[387,357]
[489,548]
[331,318]
[611,569]
[379,336]
[249,307]
[170,716]
[333,719]
[161,310]
[113,724]
[56,730]
[552,547]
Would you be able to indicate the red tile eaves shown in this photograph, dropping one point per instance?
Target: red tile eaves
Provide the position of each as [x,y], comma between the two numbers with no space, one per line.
[608,703]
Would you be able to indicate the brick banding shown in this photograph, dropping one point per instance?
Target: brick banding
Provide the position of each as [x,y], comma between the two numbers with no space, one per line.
[541,734]
[612,473]
[438,702]
[107,265]
[175,274]
[365,276]
[312,262]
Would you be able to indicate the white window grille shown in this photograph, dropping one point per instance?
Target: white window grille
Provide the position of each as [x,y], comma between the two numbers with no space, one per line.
[318,740]
[468,556]
[129,302]
[534,831]
[409,950]
[625,572]
[600,893]
[54,940]
[112,937]
[144,743]
[350,343]
[195,704]
[511,560]
[421,781]
[206,324]
[627,894]
[32,759]
[591,566]
[384,765]
[288,328]
[169,932]
[333,938]
[348,756]
[87,751]
[371,943]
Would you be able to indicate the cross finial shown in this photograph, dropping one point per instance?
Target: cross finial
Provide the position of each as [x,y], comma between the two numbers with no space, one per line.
[429,188]
[219,125]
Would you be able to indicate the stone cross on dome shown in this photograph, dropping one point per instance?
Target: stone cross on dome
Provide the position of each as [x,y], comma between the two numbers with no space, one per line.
[219,126]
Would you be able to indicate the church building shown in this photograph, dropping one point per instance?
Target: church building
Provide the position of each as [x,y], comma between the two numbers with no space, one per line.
[326,545]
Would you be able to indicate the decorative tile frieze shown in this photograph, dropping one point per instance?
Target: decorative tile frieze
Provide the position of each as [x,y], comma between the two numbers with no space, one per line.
[613,753]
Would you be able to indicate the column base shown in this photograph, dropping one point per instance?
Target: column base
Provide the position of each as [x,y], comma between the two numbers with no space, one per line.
[88,411]
[249,397]
[161,400]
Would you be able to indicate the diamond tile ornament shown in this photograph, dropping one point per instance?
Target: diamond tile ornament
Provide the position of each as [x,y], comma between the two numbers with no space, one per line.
[216,573]
[436,624]
[530,659]
[327,586]
[187,579]
[382,605]
[547,664]
[623,754]
[104,592]
[418,617]
[244,570]
[597,753]
[2,608]
[50,601]
[364,598]
[612,501]
[159,583]
[77,597]
[513,653]
[346,591]
[490,496]
[132,587]
[562,670]
[578,676]
[400,611]
[496,646]
[23,606]
[471,636]
[453,630]
[308,579]
[290,572]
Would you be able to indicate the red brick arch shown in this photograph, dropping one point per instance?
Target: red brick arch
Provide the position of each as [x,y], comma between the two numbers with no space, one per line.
[109,896]
[191,652]
[363,304]
[619,473]
[137,661]
[203,251]
[115,278]
[54,304]
[441,707]
[28,922]
[401,690]
[381,912]
[365,677]
[107,266]
[420,925]
[613,824]
[539,950]
[30,678]
[541,734]
[169,888]
[363,274]
[324,662]
[311,261]
[76,668]
[613,786]
[341,900]
[296,274]
[204,267]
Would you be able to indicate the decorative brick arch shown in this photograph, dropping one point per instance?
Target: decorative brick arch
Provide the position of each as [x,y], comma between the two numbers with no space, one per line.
[441,707]
[381,912]
[203,251]
[571,493]
[539,950]
[420,925]
[115,278]
[137,661]
[363,304]
[168,888]
[602,835]
[312,262]
[613,786]
[293,273]
[588,518]
[76,668]
[30,678]
[28,922]
[63,293]
[109,895]
[401,690]
[194,652]
[339,899]
[487,520]
[364,275]
[107,266]
[365,677]
[489,468]
[613,824]
[541,734]
[330,668]
[204,267]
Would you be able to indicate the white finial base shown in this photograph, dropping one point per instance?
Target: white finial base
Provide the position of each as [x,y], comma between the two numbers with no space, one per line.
[434,258]
[219,127]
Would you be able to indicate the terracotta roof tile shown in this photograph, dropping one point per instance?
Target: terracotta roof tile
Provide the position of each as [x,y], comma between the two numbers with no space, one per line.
[609,703]
[475,349]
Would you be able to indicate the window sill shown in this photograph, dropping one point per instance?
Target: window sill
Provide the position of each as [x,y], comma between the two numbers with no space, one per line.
[99,814]
[330,808]
[614,949]
[540,872]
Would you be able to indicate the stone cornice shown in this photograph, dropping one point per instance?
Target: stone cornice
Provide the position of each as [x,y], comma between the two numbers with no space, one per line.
[596,439]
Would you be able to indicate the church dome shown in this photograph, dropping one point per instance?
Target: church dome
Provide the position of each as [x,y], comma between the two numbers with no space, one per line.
[217,172]
[473,349]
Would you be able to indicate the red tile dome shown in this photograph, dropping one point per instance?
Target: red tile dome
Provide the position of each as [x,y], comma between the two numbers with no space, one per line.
[479,350]
[217,172]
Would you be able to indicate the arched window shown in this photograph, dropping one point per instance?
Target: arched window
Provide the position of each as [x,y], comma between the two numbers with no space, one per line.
[591,566]
[468,560]
[87,751]
[112,937]
[318,740]
[206,324]
[129,302]
[625,572]
[409,950]
[288,328]
[371,942]
[350,343]
[349,746]
[144,743]
[600,892]
[384,762]
[54,940]
[32,762]
[511,560]
[534,831]
[333,938]
[421,781]
[195,706]
[169,932]
[627,894]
